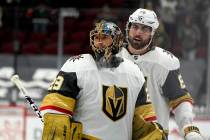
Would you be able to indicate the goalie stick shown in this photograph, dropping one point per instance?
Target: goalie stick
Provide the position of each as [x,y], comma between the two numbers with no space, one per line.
[16,80]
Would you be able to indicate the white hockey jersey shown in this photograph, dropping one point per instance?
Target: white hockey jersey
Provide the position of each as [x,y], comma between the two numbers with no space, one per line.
[164,82]
[103,99]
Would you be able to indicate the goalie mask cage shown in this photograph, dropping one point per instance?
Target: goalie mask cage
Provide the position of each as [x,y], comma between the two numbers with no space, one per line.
[12,122]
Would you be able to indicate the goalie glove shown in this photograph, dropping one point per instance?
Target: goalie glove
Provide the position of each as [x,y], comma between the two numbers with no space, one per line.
[143,130]
[192,133]
[157,132]
[61,127]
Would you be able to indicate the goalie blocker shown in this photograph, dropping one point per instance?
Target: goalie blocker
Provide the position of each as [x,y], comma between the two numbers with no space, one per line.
[61,127]
[143,130]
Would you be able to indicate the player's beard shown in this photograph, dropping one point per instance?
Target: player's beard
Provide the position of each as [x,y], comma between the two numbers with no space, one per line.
[138,44]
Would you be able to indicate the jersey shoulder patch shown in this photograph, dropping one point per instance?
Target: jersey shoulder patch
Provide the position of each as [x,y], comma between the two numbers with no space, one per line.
[166,59]
[77,63]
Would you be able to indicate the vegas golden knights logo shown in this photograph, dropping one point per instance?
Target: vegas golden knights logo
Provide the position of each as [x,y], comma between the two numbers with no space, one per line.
[114,102]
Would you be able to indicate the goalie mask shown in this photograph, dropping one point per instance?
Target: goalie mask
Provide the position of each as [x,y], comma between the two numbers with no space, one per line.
[106,39]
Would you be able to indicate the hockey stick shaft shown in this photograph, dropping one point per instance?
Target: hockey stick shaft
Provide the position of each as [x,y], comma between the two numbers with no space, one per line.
[16,80]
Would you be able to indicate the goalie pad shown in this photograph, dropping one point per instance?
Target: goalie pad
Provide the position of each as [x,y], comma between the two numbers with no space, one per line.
[143,130]
[61,127]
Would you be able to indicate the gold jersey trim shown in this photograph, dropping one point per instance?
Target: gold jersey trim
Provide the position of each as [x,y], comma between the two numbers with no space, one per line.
[146,111]
[58,100]
[186,98]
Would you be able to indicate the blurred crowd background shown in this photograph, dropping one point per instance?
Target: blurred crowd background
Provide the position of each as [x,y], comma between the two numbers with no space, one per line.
[31,28]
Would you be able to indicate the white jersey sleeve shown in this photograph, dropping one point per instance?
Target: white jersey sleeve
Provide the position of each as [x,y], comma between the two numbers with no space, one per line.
[79,63]
[164,81]
[171,81]
[65,89]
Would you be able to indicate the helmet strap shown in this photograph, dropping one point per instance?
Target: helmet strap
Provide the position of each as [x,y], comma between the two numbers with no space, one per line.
[139,51]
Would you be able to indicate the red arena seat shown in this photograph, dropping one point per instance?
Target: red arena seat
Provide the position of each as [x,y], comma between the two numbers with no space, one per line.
[50,48]
[7,47]
[72,49]
[30,48]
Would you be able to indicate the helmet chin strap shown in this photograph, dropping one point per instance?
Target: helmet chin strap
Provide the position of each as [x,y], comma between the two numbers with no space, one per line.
[139,51]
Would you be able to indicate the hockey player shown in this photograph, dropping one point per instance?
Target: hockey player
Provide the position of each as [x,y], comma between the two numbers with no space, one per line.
[162,73]
[99,96]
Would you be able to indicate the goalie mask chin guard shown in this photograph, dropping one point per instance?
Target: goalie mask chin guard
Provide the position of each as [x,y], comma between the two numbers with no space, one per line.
[110,29]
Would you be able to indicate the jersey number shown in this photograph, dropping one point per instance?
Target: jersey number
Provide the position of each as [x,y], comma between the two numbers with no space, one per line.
[57,83]
[146,89]
[181,82]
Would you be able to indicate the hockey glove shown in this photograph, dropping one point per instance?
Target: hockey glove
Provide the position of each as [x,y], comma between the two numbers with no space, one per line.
[143,130]
[192,133]
[61,127]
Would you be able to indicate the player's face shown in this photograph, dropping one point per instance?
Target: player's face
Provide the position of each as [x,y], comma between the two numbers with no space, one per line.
[139,35]
[102,40]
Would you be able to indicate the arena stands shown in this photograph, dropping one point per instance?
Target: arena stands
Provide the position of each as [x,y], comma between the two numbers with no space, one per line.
[32,51]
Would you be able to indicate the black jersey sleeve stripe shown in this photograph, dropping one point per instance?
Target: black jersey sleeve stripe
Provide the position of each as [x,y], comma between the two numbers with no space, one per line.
[69,87]
[142,98]
[174,87]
